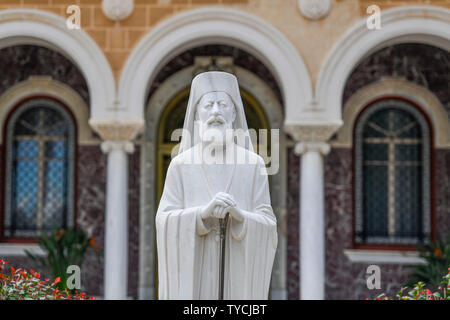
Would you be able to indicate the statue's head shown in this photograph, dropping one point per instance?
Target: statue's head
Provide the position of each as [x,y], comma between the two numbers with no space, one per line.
[216,113]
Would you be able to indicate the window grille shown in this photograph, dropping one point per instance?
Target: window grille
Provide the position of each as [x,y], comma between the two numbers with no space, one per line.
[392,178]
[39,169]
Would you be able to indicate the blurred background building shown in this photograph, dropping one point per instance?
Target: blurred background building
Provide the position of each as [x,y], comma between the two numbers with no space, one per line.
[86,117]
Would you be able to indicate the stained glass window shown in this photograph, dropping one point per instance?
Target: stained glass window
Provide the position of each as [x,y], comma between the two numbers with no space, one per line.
[392,191]
[39,169]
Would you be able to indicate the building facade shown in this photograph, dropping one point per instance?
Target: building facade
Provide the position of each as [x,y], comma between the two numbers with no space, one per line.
[361,101]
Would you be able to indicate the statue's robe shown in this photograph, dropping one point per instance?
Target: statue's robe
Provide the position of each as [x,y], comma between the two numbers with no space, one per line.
[188,247]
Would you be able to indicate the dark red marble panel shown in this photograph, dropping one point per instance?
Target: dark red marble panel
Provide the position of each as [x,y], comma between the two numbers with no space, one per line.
[133,222]
[18,63]
[293,188]
[346,280]
[424,65]
[91,209]
[442,169]
[91,196]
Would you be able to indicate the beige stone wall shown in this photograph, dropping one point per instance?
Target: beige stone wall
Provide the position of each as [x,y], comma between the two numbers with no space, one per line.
[313,39]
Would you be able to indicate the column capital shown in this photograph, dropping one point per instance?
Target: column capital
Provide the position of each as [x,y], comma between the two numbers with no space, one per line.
[303,147]
[126,146]
[315,132]
[117,129]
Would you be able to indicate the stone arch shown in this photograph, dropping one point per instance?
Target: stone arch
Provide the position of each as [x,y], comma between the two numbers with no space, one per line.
[419,24]
[37,27]
[217,25]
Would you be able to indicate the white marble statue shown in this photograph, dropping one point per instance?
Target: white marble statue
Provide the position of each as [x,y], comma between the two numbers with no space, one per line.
[215,174]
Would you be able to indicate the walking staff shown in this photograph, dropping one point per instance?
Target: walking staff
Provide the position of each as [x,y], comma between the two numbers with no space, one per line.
[223,235]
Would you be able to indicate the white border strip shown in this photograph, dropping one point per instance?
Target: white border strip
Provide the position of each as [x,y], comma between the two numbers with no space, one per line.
[18,250]
[383,256]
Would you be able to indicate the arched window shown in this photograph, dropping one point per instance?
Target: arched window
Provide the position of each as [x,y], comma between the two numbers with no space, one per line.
[39,169]
[392,178]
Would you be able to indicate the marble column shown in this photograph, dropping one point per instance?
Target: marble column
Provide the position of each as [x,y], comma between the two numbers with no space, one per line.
[117,136]
[116,219]
[312,219]
[311,144]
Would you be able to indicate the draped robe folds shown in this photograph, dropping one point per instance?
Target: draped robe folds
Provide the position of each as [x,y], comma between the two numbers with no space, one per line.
[188,247]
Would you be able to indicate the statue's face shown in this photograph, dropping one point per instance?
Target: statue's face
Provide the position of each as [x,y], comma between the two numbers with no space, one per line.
[216,109]
[216,113]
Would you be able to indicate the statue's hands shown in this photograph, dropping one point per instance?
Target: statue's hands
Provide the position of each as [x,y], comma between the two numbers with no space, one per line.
[220,201]
[236,213]
[220,205]
[220,211]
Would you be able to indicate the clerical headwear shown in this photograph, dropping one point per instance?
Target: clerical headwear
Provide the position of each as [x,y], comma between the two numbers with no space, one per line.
[214,81]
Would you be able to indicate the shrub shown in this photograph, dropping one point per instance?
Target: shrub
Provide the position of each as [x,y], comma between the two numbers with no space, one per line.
[28,285]
[64,247]
[437,257]
[420,292]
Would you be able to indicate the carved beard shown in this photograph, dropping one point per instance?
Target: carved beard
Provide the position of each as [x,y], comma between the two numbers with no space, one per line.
[215,134]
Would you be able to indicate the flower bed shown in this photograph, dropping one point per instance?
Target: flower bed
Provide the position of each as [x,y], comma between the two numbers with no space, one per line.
[420,292]
[20,284]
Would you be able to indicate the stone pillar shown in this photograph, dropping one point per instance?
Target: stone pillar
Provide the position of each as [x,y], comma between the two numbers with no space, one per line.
[116,219]
[312,147]
[312,220]
[117,136]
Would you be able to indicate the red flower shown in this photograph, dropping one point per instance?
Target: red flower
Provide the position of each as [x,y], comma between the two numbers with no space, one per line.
[31,271]
[438,252]
[57,280]
[13,270]
[37,275]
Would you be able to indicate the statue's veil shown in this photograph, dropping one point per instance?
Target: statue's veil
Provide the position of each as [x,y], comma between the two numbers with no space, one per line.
[212,81]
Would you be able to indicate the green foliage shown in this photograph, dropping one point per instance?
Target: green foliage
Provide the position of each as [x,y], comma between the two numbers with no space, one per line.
[64,248]
[420,292]
[437,257]
[23,285]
